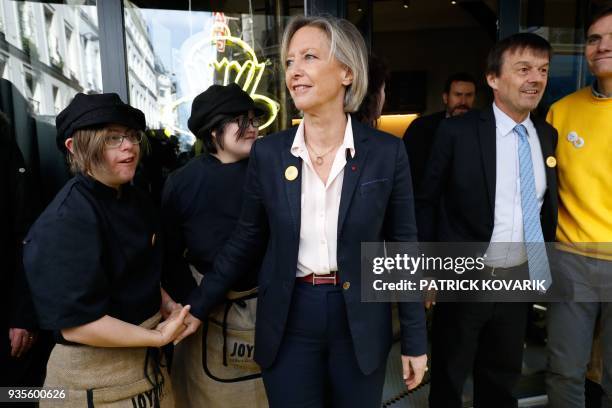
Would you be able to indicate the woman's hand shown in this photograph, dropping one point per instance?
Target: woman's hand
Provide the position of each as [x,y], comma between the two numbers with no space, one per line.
[414,369]
[171,328]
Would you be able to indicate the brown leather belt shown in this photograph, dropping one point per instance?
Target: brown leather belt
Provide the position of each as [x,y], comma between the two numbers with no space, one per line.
[331,278]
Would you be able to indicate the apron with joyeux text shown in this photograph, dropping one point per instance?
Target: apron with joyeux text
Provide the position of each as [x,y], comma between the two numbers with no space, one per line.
[214,367]
[109,377]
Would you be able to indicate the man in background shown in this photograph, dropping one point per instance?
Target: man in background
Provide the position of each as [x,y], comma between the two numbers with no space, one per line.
[458,96]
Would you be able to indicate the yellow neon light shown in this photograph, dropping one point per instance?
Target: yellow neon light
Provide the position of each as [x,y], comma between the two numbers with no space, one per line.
[250,73]
[254,71]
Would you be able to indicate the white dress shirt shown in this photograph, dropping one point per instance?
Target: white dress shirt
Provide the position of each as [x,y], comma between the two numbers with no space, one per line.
[320,206]
[508,218]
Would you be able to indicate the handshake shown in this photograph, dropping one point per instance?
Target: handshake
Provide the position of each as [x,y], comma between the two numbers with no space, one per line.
[178,323]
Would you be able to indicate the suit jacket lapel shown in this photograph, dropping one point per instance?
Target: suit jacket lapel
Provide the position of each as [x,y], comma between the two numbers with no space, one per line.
[293,188]
[352,170]
[488,150]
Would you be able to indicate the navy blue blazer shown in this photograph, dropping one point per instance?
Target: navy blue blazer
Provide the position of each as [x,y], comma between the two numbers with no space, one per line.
[376,204]
[456,202]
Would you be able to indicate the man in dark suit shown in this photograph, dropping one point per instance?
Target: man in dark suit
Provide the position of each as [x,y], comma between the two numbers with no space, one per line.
[458,97]
[491,179]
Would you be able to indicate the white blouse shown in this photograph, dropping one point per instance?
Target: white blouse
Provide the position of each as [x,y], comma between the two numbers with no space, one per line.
[320,206]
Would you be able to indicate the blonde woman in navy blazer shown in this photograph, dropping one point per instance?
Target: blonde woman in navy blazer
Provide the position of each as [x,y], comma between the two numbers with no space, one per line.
[315,193]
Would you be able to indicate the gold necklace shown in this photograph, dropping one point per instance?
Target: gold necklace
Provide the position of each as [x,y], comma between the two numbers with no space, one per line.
[319,157]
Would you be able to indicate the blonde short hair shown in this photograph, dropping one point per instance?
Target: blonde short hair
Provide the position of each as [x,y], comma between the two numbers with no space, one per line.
[87,150]
[346,45]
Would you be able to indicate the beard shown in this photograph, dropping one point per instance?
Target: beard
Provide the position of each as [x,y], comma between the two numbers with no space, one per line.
[458,110]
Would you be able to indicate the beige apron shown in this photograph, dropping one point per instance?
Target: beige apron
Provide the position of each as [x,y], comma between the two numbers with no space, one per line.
[108,377]
[226,376]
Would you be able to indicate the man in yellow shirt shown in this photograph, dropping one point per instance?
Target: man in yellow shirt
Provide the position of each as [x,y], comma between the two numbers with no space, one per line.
[584,233]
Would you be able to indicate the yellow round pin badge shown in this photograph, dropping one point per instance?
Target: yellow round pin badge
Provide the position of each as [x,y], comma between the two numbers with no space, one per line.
[291,173]
[551,161]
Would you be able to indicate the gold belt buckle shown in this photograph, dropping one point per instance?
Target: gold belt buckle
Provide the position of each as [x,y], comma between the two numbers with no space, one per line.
[324,278]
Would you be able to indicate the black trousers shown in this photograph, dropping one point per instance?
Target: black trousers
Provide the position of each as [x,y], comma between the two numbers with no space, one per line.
[483,338]
[316,365]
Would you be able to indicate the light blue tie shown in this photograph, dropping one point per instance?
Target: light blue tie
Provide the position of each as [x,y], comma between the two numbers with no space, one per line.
[539,269]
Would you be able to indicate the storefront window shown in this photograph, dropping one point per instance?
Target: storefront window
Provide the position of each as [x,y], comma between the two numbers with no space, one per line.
[562,24]
[175,54]
[422,44]
[48,53]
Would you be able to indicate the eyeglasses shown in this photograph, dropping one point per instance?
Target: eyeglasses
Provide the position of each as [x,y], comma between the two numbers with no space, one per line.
[244,121]
[116,140]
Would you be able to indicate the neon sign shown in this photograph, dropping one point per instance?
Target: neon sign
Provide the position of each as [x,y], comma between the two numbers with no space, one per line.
[246,72]
[252,69]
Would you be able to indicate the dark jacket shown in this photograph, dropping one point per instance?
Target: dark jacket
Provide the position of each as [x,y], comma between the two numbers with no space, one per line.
[457,199]
[201,205]
[376,204]
[18,208]
[418,139]
[93,252]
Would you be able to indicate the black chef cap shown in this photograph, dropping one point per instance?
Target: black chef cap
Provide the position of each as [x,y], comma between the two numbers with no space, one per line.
[217,102]
[87,111]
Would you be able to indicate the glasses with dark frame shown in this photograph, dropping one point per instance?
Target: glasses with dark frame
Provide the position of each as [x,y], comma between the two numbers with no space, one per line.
[115,140]
[244,121]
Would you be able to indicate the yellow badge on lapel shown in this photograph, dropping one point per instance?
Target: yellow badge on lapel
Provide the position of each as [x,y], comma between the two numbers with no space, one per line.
[551,161]
[291,173]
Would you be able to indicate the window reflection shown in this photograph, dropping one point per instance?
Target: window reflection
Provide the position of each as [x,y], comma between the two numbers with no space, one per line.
[561,23]
[48,53]
[173,55]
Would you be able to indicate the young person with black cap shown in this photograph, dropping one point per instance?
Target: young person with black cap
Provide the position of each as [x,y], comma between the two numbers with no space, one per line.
[94,265]
[200,207]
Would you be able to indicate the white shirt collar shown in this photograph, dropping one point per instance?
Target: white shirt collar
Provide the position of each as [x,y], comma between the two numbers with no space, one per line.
[505,124]
[299,143]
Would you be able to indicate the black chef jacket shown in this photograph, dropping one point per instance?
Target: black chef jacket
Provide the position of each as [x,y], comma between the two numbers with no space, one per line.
[201,205]
[94,251]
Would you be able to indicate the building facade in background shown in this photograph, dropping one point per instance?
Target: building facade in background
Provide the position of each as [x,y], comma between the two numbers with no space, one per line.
[168,53]
[49,52]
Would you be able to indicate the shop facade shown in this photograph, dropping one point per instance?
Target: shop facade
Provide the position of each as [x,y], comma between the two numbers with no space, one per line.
[158,55]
